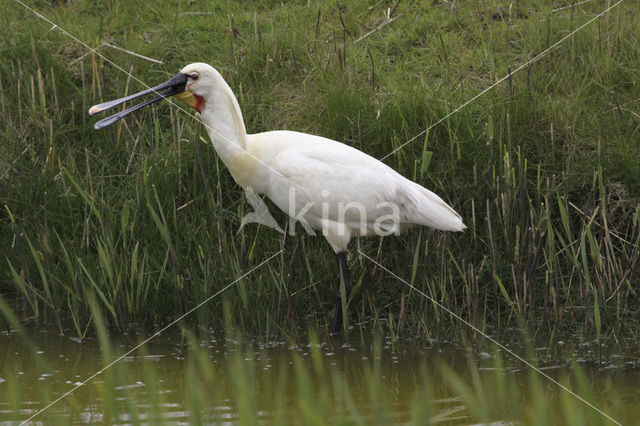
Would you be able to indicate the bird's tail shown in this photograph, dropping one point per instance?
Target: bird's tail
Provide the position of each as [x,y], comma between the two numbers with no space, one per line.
[423,207]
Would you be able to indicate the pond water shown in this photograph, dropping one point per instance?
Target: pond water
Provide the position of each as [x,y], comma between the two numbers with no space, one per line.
[211,379]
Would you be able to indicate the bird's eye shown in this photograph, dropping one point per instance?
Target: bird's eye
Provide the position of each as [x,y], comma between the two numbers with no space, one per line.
[194,76]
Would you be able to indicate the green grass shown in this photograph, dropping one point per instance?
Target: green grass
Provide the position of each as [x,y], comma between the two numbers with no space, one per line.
[212,378]
[142,217]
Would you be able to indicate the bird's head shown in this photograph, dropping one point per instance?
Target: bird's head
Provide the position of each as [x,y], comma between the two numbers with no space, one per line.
[192,85]
[201,82]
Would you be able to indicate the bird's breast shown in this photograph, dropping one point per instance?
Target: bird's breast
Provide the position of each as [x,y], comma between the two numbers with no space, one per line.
[244,167]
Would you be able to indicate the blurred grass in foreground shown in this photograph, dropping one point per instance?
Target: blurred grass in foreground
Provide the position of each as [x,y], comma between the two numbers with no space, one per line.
[224,378]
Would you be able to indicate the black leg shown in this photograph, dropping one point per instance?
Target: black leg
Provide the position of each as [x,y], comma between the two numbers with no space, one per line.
[343,275]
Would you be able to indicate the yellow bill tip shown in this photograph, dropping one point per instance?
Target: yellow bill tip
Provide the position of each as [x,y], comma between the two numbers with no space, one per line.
[95,109]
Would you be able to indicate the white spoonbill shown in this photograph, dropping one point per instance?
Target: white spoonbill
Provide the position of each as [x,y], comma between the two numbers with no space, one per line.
[326,185]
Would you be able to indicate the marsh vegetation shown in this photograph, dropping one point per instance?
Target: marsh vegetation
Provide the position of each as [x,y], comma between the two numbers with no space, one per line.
[104,233]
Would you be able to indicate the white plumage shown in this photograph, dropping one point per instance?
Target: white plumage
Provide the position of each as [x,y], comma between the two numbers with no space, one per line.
[333,187]
[325,174]
[322,173]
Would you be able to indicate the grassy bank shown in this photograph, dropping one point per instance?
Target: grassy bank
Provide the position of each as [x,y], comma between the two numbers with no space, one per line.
[543,168]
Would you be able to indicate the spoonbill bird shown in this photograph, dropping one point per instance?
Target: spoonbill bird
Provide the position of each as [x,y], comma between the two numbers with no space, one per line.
[324,184]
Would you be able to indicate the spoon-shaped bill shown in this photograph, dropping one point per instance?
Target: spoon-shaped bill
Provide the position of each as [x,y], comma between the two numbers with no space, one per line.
[174,85]
[115,117]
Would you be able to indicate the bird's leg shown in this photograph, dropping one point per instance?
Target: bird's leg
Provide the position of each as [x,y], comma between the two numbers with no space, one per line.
[344,291]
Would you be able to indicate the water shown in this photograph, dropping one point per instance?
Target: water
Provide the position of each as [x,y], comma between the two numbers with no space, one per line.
[215,380]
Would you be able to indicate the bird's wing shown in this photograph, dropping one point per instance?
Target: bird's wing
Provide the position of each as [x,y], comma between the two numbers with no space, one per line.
[322,176]
[332,177]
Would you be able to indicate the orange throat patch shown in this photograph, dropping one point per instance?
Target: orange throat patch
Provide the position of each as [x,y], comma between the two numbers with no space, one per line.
[199,104]
[191,99]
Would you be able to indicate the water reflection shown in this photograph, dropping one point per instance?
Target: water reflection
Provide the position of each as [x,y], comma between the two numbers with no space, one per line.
[159,383]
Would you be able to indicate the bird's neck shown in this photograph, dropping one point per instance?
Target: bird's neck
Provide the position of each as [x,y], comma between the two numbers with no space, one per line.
[222,117]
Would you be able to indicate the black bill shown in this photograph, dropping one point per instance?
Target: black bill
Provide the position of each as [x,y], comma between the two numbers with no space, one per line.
[174,86]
